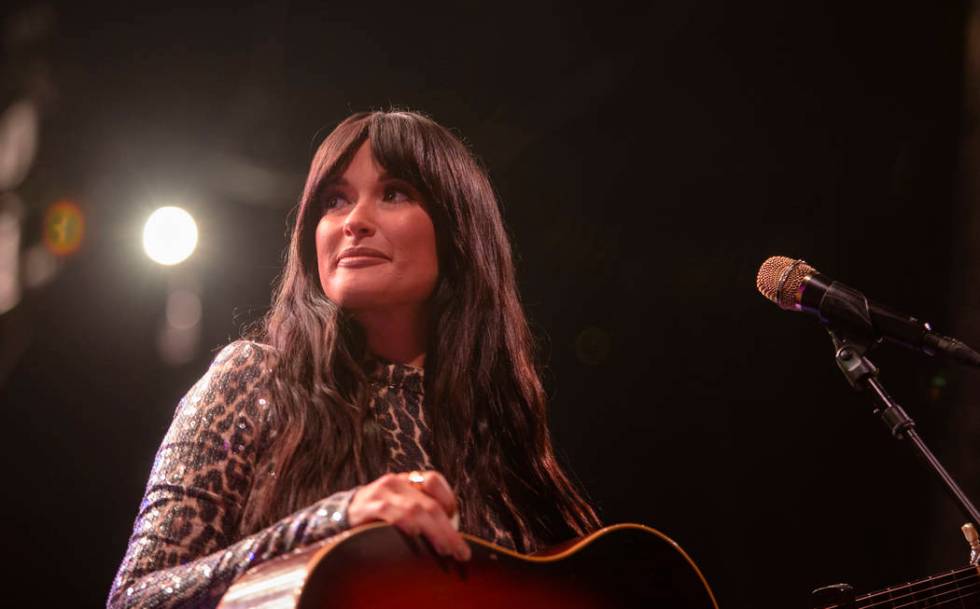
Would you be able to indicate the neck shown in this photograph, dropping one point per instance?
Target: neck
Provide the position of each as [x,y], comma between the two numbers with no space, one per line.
[397,336]
[957,585]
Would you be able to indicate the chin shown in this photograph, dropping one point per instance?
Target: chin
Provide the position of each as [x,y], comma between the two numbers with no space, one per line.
[350,302]
[352,298]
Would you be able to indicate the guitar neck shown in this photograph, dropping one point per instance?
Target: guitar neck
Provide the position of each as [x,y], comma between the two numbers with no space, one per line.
[957,589]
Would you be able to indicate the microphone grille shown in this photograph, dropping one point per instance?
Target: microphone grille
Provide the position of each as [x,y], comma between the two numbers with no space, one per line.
[780,278]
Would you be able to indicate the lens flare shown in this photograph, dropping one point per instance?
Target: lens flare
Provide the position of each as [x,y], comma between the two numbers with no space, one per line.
[64,228]
[169,236]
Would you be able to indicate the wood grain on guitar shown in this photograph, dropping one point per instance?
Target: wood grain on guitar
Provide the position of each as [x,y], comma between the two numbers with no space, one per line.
[375,566]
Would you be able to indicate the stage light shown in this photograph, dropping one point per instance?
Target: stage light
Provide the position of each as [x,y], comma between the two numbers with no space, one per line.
[169,236]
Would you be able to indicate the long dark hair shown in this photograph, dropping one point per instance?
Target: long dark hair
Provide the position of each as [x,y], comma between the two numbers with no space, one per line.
[483,396]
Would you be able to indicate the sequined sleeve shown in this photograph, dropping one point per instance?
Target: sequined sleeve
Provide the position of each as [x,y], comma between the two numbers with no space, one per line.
[185,550]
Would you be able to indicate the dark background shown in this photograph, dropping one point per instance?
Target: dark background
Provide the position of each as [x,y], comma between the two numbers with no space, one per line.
[648,158]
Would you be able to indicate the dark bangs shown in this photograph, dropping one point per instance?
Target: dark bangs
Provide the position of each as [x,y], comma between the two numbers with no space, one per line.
[401,144]
[412,148]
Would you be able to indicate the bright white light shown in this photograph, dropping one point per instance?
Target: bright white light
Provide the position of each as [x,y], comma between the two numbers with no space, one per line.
[169,236]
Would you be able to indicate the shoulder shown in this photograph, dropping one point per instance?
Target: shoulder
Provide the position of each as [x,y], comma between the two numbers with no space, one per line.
[241,363]
[236,381]
[243,353]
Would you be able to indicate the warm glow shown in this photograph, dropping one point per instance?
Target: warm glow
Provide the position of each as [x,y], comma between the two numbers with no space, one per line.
[170,235]
[64,227]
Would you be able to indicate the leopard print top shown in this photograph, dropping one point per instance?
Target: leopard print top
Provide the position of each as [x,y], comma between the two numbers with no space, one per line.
[186,548]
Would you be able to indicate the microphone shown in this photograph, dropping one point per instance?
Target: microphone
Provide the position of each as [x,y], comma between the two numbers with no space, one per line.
[796,286]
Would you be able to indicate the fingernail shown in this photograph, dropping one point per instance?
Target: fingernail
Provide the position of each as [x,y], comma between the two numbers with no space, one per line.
[463,554]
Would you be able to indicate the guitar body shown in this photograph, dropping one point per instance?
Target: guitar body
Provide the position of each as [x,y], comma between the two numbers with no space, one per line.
[377,567]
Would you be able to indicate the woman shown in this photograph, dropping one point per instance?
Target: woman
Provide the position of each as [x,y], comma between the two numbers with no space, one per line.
[392,380]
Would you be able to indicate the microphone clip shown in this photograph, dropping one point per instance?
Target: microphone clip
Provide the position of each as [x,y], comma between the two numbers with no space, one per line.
[849,355]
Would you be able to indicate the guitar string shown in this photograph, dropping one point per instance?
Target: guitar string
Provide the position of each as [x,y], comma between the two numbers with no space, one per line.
[902,598]
[959,583]
[907,592]
[922,582]
[934,601]
[927,583]
[940,603]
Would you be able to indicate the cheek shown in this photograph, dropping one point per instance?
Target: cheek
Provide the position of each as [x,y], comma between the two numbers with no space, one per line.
[424,246]
[325,241]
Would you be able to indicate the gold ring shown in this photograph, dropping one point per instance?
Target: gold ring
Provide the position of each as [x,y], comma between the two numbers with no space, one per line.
[416,478]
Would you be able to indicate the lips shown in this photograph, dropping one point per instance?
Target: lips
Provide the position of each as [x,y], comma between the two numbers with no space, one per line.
[354,255]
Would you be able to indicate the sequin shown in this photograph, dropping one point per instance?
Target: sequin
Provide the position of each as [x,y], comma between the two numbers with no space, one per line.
[198,486]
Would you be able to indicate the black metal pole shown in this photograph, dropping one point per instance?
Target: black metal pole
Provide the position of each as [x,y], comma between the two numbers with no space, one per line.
[904,427]
[861,373]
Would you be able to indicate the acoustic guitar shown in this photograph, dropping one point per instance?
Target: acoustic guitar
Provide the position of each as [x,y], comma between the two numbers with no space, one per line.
[376,566]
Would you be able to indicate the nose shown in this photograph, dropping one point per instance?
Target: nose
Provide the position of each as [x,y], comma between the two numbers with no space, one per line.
[360,221]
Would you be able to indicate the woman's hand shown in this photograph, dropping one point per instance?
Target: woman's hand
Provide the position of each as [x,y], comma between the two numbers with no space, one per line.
[418,503]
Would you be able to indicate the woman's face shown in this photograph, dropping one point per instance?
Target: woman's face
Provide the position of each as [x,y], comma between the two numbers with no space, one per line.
[375,243]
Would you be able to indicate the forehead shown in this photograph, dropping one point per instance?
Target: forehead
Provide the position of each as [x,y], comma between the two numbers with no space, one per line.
[363,165]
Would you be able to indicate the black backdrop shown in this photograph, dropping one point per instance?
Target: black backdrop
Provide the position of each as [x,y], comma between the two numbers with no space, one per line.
[648,159]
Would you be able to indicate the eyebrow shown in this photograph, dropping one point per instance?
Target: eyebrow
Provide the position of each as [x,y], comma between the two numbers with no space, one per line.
[334,181]
[383,178]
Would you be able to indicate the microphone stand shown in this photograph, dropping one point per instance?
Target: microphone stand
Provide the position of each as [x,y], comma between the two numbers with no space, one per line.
[862,374]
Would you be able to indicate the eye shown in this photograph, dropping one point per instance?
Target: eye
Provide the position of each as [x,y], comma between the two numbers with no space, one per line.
[330,200]
[398,193]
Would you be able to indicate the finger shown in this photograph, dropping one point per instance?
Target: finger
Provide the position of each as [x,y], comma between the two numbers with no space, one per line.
[435,486]
[415,514]
[437,528]
[400,502]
